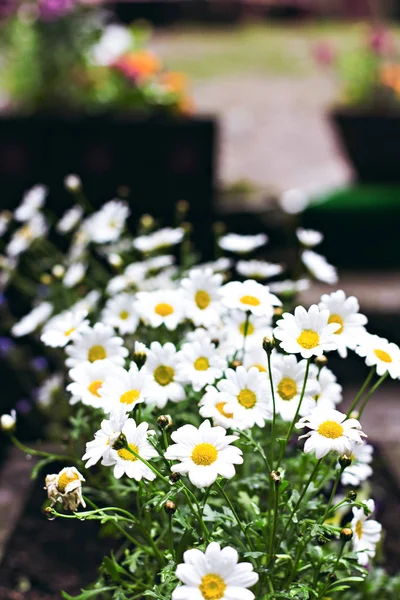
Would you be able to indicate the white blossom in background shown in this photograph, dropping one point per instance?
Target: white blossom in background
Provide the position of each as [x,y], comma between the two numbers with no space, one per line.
[161,365]
[200,364]
[74,274]
[200,290]
[258,269]
[242,244]
[378,352]
[120,312]
[249,296]
[294,201]
[288,286]
[32,202]
[87,381]
[49,388]
[366,533]
[36,317]
[319,267]
[360,468]
[21,239]
[309,237]
[63,328]
[330,391]
[115,41]
[70,219]
[160,239]
[106,225]
[163,307]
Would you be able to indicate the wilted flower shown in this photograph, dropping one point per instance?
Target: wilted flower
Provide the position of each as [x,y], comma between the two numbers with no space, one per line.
[66,487]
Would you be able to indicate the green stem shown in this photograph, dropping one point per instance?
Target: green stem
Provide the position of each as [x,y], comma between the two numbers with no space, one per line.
[333,493]
[274,409]
[238,520]
[361,391]
[371,391]
[245,332]
[274,519]
[42,453]
[149,465]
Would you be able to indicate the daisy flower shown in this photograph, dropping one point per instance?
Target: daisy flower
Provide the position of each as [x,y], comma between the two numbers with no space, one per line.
[218,266]
[212,405]
[33,229]
[201,293]
[88,302]
[74,274]
[306,332]
[125,462]
[319,267]
[70,219]
[161,365]
[344,311]
[166,280]
[63,328]
[380,353]
[288,379]
[249,296]
[200,364]
[32,202]
[290,287]
[258,269]
[367,533]
[49,388]
[204,453]
[242,244]
[247,396]
[331,431]
[133,276]
[32,320]
[156,263]
[120,313]
[106,225]
[214,575]
[163,307]
[330,392]
[163,238]
[87,381]
[110,430]
[234,328]
[360,469]
[257,357]
[309,237]
[96,343]
[128,388]
[66,487]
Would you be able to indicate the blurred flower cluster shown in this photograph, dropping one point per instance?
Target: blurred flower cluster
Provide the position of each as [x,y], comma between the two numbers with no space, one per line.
[66,55]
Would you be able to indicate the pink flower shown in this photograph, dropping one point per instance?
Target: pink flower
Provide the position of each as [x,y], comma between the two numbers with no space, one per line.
[324,53]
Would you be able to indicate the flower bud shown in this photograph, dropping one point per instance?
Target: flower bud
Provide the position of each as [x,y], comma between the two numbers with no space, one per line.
[352,495]
[8,422]
[174,477]
[345,461]
[278,311]
[45,278]
[58,271]
[354,414]
[147,222]
[120,442]
[268,344]
[139,354]
[170,507]
[236,363]
[182,207]
[164,421]
[114,259]
[276,477]
[346,534]
[321,361]
[72,183]
[215,341]
[332,577]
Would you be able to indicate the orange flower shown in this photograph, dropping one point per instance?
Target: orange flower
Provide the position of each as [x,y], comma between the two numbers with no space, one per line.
[174,81]
[390,76]
[140,65]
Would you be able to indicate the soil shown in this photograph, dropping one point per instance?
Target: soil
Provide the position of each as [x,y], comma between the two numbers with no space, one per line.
[45,557]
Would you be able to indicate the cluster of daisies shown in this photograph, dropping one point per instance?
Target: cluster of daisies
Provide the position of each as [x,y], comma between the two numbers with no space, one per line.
[154,336]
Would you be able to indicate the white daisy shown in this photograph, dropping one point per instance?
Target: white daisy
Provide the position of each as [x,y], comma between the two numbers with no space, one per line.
[247,396]
[201,293]
[242,244]
[257,357]
[5,220]
[258,269]
[132,277]
[156,263]
[331,431]
[166,280]
[161,364]
[49,388]
[309,237]
[125,462]
[66,487]
[218,266]
[74,274]
[200,364]
[379,352]
[288,379]
[330,392]
[319,267]
[63,328]
[32,202]
[214,575]
[70,219]
[367,533]
[360,469]
[344,311]
[249,296]
[33,229]
[204,453]
[128,388]
[290,287]
[115,40]
[306,332]
[163,238]
[110,430]
[163,307]
[212,405]
[38,315]
[234,329]
[87,381]
[96,343]
[106,225]
[88,302]
[120,313]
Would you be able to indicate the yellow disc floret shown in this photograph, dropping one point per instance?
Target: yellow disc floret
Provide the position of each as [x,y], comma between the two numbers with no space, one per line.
[163,309]
[250,300]
[247,398]
[164,375]
[250,328]
[129,397]
[96,353]
[204,454]
[331,429]
[383,356]
[220,408]
[94,387]
[212,587]
[337,319]
[308,339]
[201,364]
[65,479]
[287,388]
[202,299]
[126,455]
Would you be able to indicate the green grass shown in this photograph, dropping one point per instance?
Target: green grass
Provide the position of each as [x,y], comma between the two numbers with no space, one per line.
[265,49]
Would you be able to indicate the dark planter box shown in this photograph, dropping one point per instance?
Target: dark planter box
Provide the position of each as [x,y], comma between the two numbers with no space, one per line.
[371,141]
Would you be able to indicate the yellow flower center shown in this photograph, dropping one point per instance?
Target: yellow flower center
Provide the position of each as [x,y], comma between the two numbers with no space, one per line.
[164,375]
[94,387]
[247,398]
[96,353]
[201,364]
[287,388]
[129,397]
[204,454]
[250,328]
[330,429]
[65,479]
[383,356]
[260,367]
[26,232]
[250,300]
[163,309]
[69,331]
[126,455]
[212,587]
[220,408]
[308,339]
[336,319]
[123,315]
[202,299]
[359,529]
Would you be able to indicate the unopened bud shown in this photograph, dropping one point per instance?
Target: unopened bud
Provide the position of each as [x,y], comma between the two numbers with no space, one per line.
[268,344]
[45,278]
[322,541]
[170,507]
[139,354]
[164,421]
[182,206]
[174,477]
[114,259]
[8,422]
[73,183]
[346,534]
[120,442]
[215,341]
[345,461]
[276,477]
[278,311]
[354,415]
[332,577]
[321,361]
[58,271]
[147,221]
[236,363]
[352,495]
